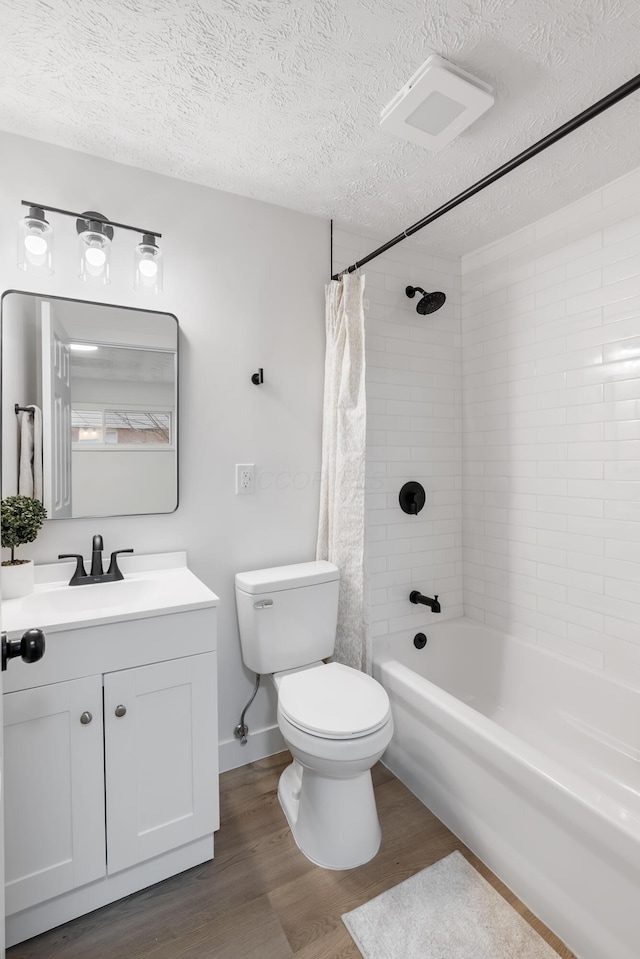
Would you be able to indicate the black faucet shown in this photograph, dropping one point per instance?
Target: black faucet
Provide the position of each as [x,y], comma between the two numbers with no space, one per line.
[97,568]
[97,574]
[416,597]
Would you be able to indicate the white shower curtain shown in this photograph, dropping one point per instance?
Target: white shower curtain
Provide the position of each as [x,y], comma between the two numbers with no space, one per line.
[342,489]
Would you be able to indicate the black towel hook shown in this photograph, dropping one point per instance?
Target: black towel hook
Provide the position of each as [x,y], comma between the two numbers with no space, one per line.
[258,378]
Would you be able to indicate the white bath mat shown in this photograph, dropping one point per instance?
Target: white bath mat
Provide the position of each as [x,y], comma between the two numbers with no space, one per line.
[447,911]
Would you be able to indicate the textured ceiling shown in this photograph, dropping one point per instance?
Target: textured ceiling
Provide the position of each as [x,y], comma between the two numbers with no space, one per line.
[280,99]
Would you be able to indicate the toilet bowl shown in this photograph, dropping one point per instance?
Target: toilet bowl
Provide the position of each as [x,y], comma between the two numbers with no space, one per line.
[335,720]
[337,723]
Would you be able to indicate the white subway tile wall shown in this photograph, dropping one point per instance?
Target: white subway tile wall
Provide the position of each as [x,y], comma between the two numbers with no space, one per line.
[414,410]
[551,431]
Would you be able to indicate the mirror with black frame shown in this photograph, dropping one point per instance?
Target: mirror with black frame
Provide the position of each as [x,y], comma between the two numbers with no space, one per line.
[89,406]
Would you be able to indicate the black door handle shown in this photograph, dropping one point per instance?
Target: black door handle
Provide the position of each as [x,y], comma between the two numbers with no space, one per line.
[31,647]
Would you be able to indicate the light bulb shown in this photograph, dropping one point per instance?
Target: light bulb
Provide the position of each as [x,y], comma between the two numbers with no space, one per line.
[95,256]
[148,267]
[94,237]
[36,245]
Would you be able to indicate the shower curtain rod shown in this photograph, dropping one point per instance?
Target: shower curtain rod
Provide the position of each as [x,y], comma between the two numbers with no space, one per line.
[599,107]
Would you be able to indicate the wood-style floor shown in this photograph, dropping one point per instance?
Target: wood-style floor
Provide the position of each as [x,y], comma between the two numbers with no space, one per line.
[260,898]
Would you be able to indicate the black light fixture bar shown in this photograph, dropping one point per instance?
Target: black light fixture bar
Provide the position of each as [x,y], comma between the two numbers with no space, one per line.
[596,108]
[83,216]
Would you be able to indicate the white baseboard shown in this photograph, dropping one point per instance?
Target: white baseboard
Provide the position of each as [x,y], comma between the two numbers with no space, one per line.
[261,743]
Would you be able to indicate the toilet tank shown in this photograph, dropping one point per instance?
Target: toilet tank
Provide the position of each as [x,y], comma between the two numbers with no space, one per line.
[287,615]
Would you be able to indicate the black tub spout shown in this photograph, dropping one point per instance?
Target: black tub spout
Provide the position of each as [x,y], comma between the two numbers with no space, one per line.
[416,597]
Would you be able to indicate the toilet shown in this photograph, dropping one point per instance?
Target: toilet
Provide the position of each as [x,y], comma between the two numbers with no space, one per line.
[335,720]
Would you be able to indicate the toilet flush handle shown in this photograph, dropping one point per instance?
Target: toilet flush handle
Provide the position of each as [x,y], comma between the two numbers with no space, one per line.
[263,604]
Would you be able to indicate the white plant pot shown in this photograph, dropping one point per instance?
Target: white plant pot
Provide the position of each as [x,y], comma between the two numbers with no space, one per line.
[17,580]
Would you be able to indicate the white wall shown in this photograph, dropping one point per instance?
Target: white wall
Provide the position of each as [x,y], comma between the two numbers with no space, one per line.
[551,434]
[413,433]
[551,346]
[246,281]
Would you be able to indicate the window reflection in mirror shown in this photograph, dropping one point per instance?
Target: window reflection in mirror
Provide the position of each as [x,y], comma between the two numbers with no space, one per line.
[105,381]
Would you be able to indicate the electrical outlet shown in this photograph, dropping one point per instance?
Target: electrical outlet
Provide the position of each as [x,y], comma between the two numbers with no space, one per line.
[245,478]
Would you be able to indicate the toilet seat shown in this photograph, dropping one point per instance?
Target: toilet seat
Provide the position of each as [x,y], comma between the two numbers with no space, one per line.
[333,701]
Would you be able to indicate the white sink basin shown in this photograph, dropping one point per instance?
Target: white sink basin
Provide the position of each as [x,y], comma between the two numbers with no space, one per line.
[143,592]
[94,596]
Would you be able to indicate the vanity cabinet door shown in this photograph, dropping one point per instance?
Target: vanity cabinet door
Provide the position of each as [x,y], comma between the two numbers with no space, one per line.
[54,790]
[161,758]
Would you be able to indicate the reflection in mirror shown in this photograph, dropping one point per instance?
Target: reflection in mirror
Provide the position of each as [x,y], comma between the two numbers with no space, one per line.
[103,381]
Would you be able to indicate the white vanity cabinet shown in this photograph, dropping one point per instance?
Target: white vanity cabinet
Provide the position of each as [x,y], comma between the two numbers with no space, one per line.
[161,783]
[111,762]
[54,790]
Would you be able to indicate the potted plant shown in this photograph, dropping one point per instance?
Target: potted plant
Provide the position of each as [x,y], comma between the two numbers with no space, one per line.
[22,519]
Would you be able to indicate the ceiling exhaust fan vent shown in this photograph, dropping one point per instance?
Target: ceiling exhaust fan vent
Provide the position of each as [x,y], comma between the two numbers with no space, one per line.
[438,103]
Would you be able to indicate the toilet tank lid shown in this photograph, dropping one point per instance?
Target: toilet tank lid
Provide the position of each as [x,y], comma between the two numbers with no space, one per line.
[287,577]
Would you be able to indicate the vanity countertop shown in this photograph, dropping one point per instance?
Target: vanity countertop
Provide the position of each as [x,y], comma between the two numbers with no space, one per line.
[154,585]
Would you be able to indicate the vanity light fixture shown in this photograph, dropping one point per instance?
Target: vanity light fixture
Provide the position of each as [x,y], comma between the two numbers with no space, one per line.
[35,243]
[95,233]
[94,240]
[148,266]
[82,347]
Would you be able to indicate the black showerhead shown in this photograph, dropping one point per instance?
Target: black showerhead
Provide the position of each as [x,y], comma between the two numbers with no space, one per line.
[429,303]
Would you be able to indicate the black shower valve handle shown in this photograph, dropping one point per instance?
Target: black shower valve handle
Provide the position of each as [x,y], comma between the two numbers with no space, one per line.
[412,498]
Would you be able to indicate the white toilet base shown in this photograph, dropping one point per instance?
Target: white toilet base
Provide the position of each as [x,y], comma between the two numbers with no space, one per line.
[334,821]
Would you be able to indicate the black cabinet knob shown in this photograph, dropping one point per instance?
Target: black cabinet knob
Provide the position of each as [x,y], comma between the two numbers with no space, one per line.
[30,647]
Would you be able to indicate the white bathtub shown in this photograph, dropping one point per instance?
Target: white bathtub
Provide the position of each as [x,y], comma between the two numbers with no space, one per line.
[534,762]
